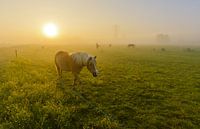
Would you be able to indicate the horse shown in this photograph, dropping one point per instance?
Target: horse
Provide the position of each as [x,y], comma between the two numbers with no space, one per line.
[74,62]
[131,45]
[97,46]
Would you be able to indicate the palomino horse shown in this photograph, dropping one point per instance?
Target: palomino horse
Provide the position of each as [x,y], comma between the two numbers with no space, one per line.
[74,62]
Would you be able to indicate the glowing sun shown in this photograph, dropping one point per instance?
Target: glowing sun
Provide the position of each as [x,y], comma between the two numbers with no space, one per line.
[50,30]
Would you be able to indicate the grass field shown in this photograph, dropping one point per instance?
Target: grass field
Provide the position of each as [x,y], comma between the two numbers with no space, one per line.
[136,88]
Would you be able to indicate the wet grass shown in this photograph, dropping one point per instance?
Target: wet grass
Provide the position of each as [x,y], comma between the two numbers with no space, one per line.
[142,87]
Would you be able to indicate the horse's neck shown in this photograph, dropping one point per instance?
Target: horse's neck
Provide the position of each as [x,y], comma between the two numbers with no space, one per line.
[80,59]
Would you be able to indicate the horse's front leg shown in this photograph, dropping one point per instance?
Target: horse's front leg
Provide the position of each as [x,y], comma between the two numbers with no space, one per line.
[76,79]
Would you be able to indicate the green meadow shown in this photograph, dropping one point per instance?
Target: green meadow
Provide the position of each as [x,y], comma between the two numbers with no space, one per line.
[141,87]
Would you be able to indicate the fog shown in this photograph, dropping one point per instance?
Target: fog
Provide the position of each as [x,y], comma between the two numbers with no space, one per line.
[88,21]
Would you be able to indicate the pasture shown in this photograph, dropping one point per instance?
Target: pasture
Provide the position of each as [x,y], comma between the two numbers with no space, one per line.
[141,87]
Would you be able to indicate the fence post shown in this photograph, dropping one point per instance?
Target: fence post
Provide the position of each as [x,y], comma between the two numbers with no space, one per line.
[16,53]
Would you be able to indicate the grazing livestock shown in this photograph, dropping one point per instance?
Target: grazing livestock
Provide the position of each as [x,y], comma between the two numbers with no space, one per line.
[189,50]
[74,62]
[97,45]
[163,49]
[131,45]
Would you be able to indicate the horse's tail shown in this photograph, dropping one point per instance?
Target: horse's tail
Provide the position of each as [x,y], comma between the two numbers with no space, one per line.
[58,69]
[62,61]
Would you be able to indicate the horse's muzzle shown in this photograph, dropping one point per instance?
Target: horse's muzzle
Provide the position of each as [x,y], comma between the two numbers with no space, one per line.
[94,74]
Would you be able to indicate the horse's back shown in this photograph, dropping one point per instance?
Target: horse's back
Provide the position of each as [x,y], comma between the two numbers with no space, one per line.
[63,60]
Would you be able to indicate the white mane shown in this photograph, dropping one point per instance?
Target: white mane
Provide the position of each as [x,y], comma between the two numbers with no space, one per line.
[80,58]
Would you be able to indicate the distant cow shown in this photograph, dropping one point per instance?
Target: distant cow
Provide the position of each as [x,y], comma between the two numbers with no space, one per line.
[131,45]
[189,50]
[163,49]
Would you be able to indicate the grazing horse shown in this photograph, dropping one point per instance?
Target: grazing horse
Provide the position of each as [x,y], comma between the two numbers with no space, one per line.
[131,45]
[97,46]
[74,62]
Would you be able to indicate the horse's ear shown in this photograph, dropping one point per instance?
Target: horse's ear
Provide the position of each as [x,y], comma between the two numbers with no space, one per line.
[95,57]
[90,58]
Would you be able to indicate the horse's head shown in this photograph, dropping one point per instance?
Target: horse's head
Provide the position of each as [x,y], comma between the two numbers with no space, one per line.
[91,66]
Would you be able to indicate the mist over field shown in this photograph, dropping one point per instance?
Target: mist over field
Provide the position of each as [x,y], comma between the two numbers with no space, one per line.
[115,21]
[99,64]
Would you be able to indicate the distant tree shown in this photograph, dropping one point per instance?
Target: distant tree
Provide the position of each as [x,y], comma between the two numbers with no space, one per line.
[163,38]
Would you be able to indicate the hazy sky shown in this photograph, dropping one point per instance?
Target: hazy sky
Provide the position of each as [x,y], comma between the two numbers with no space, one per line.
[140,20]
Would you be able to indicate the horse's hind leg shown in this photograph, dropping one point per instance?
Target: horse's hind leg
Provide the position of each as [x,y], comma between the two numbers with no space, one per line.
[59,71]
[75,80]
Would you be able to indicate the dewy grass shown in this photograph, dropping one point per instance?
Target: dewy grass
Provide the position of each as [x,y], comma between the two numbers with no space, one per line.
[141,87]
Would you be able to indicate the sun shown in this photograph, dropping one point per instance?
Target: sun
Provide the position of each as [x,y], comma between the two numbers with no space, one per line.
[50,30]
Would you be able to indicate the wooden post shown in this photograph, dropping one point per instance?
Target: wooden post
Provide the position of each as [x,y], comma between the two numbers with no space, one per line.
[16,53]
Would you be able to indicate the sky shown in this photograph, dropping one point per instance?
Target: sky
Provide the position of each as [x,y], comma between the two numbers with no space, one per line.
[21,21]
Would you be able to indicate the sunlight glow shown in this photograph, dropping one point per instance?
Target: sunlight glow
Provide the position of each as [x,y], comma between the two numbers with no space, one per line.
[50,30]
